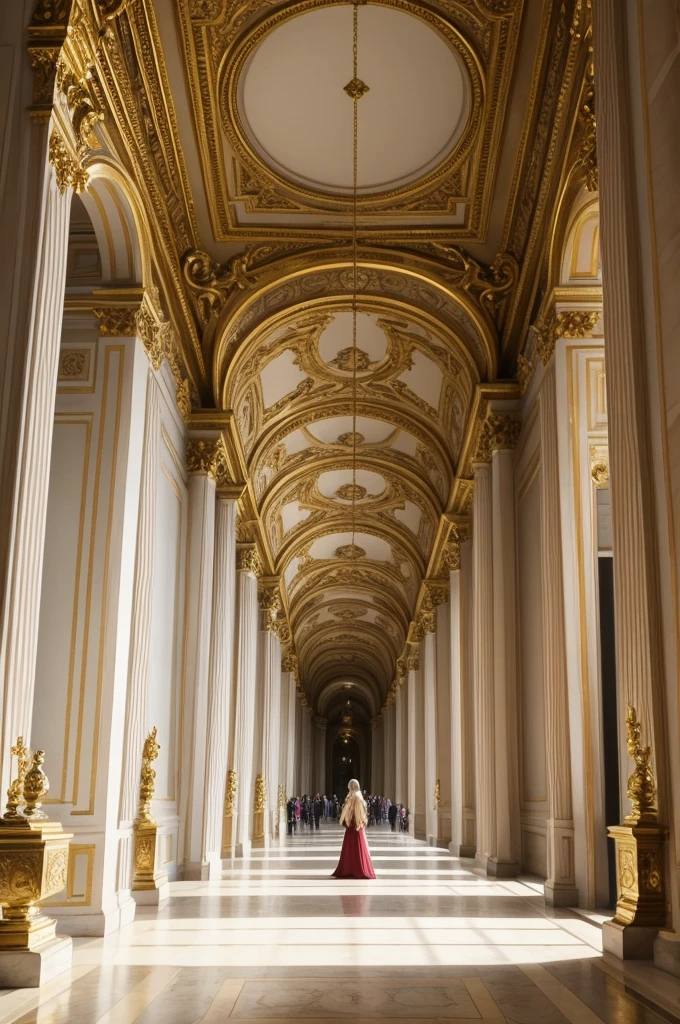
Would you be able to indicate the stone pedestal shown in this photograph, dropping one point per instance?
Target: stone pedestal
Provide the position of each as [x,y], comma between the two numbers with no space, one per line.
[149,886]
[641,903]
[30,968]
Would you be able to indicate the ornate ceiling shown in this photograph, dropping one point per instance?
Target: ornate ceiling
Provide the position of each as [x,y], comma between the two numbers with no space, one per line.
[229,122]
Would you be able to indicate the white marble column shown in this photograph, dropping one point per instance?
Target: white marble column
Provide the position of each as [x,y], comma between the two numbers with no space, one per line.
[429,670]
[560,886]
[412,662]
[140,638]
[400,747]
[297,776]
[289,699]
[443,720]
[270,672]
[35,222]
[199,603]
[306,753]
[505,859]
[219,682]
[462,708]
[245,658]
[389,752]
[378,753]
[483,653]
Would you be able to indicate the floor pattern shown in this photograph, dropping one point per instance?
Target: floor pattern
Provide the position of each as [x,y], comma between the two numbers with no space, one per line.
[278,940]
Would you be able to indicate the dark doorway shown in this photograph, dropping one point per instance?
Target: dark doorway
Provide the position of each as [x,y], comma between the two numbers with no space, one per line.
[610,742]
[346,764]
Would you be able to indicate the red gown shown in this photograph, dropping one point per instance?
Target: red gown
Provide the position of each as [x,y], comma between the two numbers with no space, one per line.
[355,860]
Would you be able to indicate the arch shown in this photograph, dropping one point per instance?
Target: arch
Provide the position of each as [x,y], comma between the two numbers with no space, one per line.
[119,223]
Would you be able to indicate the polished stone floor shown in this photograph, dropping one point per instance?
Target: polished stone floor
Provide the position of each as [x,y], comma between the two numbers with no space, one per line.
[278,940]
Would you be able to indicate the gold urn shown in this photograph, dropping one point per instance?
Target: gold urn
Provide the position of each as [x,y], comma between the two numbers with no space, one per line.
[33,857]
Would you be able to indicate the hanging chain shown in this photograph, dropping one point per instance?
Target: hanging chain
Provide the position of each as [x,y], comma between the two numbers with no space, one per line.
[355,283]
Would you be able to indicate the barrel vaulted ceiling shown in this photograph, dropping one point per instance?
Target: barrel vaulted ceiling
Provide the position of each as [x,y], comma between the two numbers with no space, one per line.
[231,118]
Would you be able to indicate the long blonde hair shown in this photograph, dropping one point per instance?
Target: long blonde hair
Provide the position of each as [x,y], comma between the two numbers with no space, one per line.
[354,811]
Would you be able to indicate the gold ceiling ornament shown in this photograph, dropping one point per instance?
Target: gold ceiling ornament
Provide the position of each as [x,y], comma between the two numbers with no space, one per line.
[33,857]
[350,551]
[351,492]
[67,169]
[352,439]
[116,322]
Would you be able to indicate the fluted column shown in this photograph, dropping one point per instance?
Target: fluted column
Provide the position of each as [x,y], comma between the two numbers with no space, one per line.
[140,632]
[220,679]
[429,668]
[400,748]
[246,637]
[319,779]
[462,706]
[560,886]
[305,752]
[412,663]
[199,600]
[505,861]
[271,678]
[289,701]
[483,654]
[378,753]
[389,752]
[35,222]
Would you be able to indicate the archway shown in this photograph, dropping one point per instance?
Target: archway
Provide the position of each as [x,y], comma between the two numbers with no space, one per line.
[346,764]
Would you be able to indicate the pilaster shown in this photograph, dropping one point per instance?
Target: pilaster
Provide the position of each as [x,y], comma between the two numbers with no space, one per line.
[485,731]
[248,568]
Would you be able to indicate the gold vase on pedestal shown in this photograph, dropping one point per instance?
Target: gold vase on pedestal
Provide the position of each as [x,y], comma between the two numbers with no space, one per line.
[641,903]
[148,884]
[33,867]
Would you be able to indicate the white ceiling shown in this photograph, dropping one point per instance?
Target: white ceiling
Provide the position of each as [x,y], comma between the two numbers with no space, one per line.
[414,113]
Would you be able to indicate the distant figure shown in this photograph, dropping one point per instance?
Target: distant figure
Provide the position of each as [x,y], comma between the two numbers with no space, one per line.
[392,816]
[355,860]
[318,810]
[291,813]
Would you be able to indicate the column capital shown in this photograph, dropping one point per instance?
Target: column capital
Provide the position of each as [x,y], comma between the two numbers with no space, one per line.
[413,657]
[289,662]
[269,602]
[565,323]
[248,559]
[375,722]
[498,431]
[67,169]
[320,723]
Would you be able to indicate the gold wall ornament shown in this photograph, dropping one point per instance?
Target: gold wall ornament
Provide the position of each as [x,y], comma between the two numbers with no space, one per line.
[438,795]
[212,283]
[230,793]
[33,857]
[599,471]
[282,799]
[641,789]
[576,323]
[67,170]
[202,455]
[116,322]
[260,794]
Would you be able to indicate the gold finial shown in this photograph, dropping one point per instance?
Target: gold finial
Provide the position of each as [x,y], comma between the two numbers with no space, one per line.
[36,786]
[641,784]
[147,783]
[260,794]
[15,791]
[437,795]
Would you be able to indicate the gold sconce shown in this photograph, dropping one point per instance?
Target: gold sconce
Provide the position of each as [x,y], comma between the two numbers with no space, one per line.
[33,867]
[148,884]
[641,903]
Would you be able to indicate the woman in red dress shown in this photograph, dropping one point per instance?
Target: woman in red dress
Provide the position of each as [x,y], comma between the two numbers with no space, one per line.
[355,860]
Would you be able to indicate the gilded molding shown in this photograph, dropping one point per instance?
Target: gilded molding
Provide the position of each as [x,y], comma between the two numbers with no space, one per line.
[565,324]
[117,322]
[67,170]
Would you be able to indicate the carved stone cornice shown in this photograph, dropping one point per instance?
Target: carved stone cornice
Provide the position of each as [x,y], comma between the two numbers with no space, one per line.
[248,559]
[575,323]
[499,431]
[67,169]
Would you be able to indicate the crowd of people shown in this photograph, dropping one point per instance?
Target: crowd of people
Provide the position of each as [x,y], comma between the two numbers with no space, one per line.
[308,812]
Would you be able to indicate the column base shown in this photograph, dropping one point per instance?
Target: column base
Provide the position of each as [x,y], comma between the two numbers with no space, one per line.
[628,941]
[557,895]
[94,925]
[667,952]
[432,841]
[243,849]
[152,897]
[30,968]
[501,868]
[202,870]
[462,850]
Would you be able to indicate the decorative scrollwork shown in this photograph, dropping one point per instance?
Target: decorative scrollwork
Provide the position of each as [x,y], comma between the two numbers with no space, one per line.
[641,789]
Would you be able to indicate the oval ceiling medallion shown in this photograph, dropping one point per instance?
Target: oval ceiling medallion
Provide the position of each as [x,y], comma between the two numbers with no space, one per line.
[293,114]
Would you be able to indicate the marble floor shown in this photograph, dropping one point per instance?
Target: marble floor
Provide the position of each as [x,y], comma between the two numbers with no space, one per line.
[278,940]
